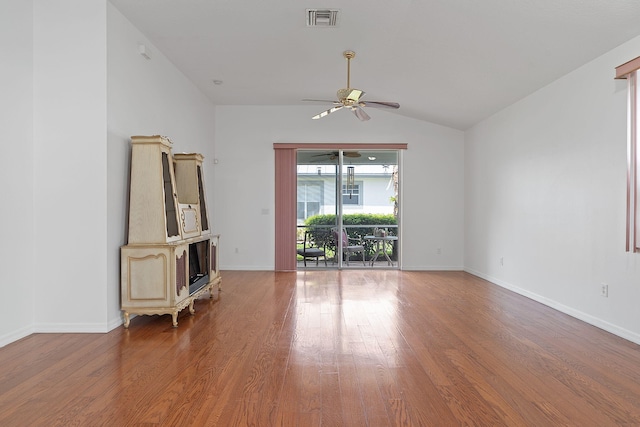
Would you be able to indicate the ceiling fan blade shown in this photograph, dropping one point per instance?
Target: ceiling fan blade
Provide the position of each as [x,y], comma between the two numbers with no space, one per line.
[333,153]
[379,104]
[359,112]
[326,113]
[332,158]
[324,101]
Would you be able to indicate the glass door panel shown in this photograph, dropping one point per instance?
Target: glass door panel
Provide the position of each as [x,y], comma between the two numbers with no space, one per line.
[316,208]
[369,209]
[347,204]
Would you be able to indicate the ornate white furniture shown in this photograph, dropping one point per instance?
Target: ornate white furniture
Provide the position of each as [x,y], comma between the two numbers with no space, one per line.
[171,256]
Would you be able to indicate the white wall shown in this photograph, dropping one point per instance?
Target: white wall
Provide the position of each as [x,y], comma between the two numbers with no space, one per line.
[68,272]
[17,245]
[145,97]
[545,190]
[432,215]
[68,117]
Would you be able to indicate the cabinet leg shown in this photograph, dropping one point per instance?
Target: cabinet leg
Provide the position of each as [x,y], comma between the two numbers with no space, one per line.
[192,310]
[126,319]
[174,317]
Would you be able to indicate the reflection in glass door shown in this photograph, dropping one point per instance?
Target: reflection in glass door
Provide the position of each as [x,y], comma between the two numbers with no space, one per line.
[310,195]
[347,208]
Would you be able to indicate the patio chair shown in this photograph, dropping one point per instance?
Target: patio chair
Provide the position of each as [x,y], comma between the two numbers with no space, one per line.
[311,249]
[349,245]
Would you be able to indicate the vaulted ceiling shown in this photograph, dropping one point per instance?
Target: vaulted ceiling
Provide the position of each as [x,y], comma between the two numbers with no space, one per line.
[450,62]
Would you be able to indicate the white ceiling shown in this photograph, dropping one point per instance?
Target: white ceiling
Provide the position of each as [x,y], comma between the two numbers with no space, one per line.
[451,62]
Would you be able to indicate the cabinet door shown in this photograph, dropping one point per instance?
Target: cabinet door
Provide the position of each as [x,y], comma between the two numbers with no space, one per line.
[191,189]
[146,274]
[154,276]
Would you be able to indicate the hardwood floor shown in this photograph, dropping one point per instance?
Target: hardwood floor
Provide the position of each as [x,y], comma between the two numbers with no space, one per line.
[350,348]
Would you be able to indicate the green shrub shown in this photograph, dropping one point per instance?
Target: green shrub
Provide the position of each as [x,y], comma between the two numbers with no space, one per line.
[320,227]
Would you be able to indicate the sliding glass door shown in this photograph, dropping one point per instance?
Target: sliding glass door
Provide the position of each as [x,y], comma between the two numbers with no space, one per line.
[347,208]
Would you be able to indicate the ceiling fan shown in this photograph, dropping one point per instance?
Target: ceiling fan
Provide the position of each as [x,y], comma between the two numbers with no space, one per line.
[350,97]
[334,155]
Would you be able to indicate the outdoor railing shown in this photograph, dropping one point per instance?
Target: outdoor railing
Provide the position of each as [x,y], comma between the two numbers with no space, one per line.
[323,237]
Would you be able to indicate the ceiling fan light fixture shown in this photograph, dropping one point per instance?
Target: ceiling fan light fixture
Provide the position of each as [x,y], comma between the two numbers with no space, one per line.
[322,17]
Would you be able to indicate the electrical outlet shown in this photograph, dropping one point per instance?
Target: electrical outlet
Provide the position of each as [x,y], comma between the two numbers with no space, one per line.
[604,290]
[501,260]
[439,251]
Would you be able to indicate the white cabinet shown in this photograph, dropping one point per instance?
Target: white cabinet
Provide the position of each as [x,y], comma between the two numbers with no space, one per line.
[171,257]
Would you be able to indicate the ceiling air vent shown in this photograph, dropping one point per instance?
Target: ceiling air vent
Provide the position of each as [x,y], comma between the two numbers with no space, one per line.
[322,17]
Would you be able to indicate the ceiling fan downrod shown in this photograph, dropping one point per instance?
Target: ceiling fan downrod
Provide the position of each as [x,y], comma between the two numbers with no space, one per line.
[349,54]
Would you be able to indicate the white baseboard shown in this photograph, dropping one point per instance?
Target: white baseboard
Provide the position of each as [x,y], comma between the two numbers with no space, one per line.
[402,267]
[247,268]
[115,322]
[431,268]
[70,328]
[15,335]
[592,320]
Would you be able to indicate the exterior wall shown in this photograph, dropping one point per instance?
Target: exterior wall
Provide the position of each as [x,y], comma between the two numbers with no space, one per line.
[374,198]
